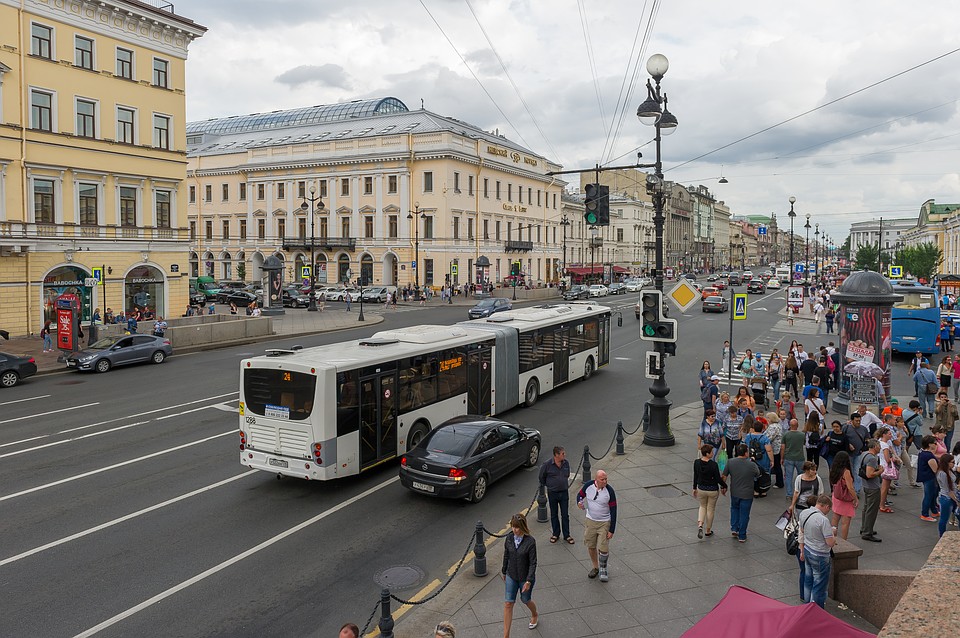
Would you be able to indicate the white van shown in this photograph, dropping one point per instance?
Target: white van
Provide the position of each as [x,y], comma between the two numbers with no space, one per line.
[378,293]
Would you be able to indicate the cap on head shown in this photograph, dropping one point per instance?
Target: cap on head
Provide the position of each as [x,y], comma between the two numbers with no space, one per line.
[715,378]
[897,401]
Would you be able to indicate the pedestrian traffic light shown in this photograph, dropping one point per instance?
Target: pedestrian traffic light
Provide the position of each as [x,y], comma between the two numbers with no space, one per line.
[590,203]
[655,326]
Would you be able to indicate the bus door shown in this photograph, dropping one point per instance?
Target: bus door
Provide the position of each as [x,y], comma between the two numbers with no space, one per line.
[378,419]
[561,356]
[479,375]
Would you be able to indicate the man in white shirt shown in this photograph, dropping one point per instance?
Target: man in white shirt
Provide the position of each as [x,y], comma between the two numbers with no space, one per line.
[816,537]
[599,500]
[868,419]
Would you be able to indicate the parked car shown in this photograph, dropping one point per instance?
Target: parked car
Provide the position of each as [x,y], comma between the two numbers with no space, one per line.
[14,369]
[756,285]
[576,292]
[616,289]
[117,351]
[242,298]
[340,294]
[598,290]
[378,293]
[773,283]
[463,456]
[715,304]
[293,298]
[487,307]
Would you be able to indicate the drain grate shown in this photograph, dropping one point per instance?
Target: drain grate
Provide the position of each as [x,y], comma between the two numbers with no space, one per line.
[665,491]
[399,577]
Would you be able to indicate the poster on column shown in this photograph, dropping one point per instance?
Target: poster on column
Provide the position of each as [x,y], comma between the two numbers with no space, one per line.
[865,337]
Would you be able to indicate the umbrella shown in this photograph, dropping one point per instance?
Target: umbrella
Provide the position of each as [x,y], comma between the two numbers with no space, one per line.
[864,369]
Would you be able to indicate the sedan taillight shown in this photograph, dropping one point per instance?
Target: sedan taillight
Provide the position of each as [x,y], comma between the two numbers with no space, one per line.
[457,473]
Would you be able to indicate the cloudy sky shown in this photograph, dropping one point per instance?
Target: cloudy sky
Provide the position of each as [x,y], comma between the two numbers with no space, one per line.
[565,77]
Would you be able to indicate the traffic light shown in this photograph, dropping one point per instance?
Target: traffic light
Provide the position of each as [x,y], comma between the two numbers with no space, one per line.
[590,203]
[514,268]
[603,206]
[655,326]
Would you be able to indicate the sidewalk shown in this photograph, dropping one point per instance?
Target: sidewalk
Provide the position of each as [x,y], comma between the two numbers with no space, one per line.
[662,578]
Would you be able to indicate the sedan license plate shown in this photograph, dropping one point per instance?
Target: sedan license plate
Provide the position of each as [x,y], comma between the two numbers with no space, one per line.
[278,463]
[423,487]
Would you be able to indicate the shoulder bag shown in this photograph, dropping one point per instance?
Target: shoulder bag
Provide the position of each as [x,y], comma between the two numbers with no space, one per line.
[932,387]
[842,492]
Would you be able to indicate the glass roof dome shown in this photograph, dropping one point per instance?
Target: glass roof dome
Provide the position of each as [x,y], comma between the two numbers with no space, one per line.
[299,117]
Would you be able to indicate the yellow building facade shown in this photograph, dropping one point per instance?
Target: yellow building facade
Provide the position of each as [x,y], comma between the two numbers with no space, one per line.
[92,158]
[402,197]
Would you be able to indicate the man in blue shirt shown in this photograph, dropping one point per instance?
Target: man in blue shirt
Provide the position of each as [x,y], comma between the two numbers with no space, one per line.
[555,477]
[921,379]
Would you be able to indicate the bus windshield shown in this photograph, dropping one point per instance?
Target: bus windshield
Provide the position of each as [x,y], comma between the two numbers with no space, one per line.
[915,300]
[282,394]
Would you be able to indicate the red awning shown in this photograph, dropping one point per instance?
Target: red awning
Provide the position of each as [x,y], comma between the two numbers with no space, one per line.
[585,270]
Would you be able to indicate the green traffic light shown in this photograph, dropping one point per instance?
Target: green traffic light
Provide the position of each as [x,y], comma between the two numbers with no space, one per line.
[591,217]
[649,331]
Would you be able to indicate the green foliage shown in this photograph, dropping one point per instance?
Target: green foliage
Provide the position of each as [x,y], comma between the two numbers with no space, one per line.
[866,258]
[845,249]
[241,271]
[922,261]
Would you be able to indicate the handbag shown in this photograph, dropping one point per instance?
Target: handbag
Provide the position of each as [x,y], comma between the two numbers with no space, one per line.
[842,492]
[890,472]
[722,460]
[932,388]
[791,535]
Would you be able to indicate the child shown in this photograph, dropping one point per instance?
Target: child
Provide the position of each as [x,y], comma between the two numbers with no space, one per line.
[726,356]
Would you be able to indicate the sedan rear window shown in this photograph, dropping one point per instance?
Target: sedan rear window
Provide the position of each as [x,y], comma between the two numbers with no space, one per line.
[454,440]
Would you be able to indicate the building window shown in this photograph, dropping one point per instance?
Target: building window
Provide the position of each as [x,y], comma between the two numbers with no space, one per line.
[124,63]
[368,186]
[486,187]
[497,231]
[41,39]
[281,191]
[498,189]
[302,229]
[261,192]
[193,231]
[538,197]
[224,192]
[323,188]
[261,229]
[163,209]
[470,185]
[510,192]
[243,192]
[125,125]
[456,182]
[302,189]
[43,211]
[243,229]
[161,70]
[41,110]
[208,230]
[392,184]
[554,201]
[538,233]
[428,228]
[392,225]
[281,228]
[86,119]
[161,131]
[193,194]
[470,228]
[486,229]
[456,228]
[509,229]
[428,272]
[208,193]
[368,227]
[428,182]
[83,52]
[619,234]
[345,187]
[87,200]
[345,227]
[324,227]
[128,206]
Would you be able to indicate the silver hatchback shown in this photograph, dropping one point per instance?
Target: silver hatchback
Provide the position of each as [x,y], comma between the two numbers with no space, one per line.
[117,351]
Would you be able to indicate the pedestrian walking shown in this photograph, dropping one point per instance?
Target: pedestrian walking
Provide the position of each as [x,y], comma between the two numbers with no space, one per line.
[812,431]
[816,538]
[775,373]
[948,491]
[890,467]
[945,372]
[555,479]
[731,430]
[707,487]
[945,331]
[857,435]
[742,472]
[794,456]
[845,500]
[927,385]
[710,393]
[835,441]
[927,468]
[346,298]
[445,629]
[956,375]
[349,630]
[829,318]
[599,500]
[818,311]
[519,572]
[774,432]
[710,433]
[946,416]
[233,308]
[46,336]
[726,362]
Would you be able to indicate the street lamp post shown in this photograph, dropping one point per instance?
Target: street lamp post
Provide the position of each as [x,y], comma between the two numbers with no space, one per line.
[313,207]
[791,215]
[806,252]
[646,249]
[651,113]
[416,216]
[565,223]
[816,250]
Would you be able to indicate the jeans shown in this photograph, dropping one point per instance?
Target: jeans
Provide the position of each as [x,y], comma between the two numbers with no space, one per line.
[740,516]
[829,327]
[777,470]
[946,509]
[930,491]
[816,576]
[956,390]
[776,389]
[855,468]
[559,503]
[948,440]
[790,470]
[47,342]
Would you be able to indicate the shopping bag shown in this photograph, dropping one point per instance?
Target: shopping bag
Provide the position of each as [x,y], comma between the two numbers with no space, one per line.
[722,460]
[783,520]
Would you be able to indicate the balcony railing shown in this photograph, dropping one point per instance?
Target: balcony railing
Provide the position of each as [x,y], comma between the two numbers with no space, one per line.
[516,244]
[328,243]
[32,231]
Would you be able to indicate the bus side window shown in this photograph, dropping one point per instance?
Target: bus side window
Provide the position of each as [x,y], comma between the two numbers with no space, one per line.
[348,413]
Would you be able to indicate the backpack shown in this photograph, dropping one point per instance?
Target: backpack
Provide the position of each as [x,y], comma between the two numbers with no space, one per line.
[863,469]
[705,393]
[789,374]
[756,450]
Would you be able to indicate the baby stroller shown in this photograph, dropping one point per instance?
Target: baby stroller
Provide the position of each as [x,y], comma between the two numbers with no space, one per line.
[758,385]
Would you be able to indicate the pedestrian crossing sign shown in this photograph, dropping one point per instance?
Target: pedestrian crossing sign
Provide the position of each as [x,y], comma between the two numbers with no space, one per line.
[739,307]
[896,272]
[305,272]
[98,275]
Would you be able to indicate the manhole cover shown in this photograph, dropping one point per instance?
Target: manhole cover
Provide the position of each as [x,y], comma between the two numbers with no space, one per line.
[399,577]
[664,491]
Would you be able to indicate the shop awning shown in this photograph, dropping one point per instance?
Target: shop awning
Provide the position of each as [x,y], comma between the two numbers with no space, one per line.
[585,270]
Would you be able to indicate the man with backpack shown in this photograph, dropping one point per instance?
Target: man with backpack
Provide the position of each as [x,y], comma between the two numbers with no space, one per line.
[709,394]
[761,453]
[858,435]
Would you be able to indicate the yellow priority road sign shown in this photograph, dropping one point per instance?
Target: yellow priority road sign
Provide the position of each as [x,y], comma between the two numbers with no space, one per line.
[684,295]
[739,307]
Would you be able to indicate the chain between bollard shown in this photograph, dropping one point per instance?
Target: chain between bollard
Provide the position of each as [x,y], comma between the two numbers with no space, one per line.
[443,586]
[370,619]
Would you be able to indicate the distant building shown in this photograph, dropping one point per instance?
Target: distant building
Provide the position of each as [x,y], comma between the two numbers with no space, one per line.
[868,233]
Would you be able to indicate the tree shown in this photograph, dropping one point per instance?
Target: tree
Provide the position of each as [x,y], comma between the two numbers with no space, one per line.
[845,249]
[241,271]
[922,261]
[866,258]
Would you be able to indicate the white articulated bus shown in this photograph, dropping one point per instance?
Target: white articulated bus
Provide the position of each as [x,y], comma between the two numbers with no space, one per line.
[337,410]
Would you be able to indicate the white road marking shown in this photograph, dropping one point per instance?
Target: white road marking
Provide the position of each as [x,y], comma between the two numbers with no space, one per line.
[229,562]
[123,519]
[113,467]
[42,396]
[33,416]
[170,416]
[622,358]
[225,406]
[70,440]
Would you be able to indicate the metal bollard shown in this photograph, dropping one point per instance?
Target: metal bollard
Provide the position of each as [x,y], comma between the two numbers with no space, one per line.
[587,475]
[646,416]
[386,619]
[620,451]
[479,553]
[542,516]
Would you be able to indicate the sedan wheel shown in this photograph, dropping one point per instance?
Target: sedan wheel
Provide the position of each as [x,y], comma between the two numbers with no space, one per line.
[103,365]
[534,455]
[9,379]
[158,356]
[479,488]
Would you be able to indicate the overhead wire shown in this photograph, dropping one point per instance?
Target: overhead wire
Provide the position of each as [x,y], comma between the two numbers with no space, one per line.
[588,43]
[626,85]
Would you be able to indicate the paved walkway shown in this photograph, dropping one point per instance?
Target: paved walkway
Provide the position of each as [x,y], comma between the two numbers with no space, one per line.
[662,578]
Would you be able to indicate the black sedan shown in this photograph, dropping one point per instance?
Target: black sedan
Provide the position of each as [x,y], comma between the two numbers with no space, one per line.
[576,292]
[242,298]
[14,368]
[757,285]
[617,289]
[462,457]
[715,304]
[118,351]
[293,298]
[487,307]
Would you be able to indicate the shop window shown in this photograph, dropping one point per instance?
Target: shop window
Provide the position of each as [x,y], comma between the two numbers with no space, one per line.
[144,289]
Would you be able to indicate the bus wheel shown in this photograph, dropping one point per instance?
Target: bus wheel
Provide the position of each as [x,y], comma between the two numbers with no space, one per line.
[588,368]
[479,489]
[417,432]
[532,393]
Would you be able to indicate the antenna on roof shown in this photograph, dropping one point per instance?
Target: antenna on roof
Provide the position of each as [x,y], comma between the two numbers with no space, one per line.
[421,104]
